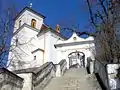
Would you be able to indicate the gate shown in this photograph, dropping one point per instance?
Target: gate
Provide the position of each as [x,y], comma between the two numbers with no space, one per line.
[76,59]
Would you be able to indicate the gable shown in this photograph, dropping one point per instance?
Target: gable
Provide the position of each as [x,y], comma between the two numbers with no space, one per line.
[26,16]
[30,10]
[45,29]
[75,40]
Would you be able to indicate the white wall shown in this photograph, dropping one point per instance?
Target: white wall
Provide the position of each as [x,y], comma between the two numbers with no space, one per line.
[41,41]
[53,52]
[26,17]
[49,39]
[39,59]
[62,53]
[27,81]
[44,43]
[50,50]
[28,42]
[70,45]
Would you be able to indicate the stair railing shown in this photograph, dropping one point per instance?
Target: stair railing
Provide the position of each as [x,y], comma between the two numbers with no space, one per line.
[61,68]
[42,76]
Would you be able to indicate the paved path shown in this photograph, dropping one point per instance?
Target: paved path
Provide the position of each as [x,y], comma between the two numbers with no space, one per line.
[74,79]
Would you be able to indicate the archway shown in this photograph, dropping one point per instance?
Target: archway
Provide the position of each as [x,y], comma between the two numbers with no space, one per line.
[76,59]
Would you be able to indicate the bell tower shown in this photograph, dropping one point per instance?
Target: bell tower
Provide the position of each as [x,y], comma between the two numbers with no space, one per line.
[27,52]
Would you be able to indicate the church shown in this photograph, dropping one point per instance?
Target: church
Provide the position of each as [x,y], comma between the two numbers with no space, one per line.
[35,43]
[39,53]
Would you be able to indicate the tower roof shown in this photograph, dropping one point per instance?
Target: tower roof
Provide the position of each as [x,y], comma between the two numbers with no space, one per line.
[31,10]
[45,28]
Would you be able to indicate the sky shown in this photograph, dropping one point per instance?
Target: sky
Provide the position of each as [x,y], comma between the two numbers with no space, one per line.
[66,13]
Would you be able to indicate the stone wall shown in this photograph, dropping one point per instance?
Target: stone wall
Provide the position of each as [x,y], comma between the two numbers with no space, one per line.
[42,77]
[37,78]
[107,75]
[101,74]
[9,80]
[61,68]
[113,76]
[90,65]
[34,78]
[94,82]
[27,80]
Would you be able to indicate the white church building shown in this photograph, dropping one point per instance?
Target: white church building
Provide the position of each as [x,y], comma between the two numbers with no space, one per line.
[35,43]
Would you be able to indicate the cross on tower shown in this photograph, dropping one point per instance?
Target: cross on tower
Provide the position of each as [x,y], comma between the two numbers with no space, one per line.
[30,3]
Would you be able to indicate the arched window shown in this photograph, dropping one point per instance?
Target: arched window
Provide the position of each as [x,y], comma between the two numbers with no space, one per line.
[34,57]
[20,23]
[33,23]
[16,41]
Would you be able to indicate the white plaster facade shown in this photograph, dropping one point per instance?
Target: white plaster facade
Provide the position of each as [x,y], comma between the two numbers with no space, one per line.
[73,44]
[36,46]
[31,49]
[26,16]
[27,43]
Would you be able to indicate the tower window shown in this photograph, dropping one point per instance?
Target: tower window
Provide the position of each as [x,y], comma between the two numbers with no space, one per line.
[16,41]
[34,57]
[20,23]
[33,23]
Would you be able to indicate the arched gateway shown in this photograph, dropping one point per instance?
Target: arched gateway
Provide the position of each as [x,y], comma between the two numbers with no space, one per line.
[76,59]
[75,50]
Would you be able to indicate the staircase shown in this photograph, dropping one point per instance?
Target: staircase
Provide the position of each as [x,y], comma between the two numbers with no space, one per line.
[74,79]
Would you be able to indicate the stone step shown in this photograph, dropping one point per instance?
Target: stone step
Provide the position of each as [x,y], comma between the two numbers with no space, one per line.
[70,80]
[73,79]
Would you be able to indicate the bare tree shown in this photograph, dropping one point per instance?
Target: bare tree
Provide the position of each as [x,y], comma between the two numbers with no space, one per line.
[9,40]
[8,12]
[17,51]
[104,18]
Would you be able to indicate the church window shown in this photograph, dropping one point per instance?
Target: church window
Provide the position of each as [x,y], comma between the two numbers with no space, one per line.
[20,23]
[16,41]
[34,57]
[33,23]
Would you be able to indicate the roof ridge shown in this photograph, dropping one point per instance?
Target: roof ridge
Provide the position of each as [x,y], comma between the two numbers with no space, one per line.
[31,10]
